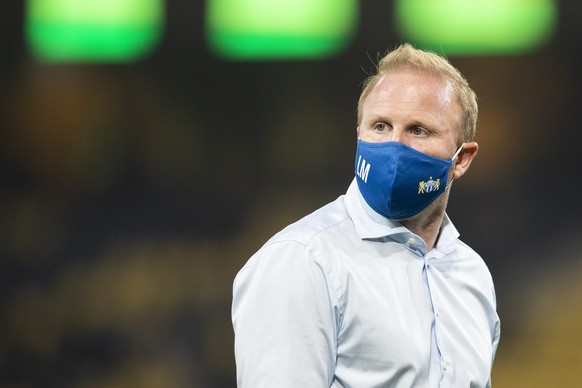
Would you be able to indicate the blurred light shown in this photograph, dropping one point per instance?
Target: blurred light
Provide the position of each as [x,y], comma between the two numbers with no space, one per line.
[271,29]
[477,26]
[93,30]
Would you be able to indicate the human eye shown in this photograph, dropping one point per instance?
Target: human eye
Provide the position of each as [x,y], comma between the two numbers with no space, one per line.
[418,131]
[381,127]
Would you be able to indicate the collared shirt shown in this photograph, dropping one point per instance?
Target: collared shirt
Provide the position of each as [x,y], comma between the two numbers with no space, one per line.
[347,298]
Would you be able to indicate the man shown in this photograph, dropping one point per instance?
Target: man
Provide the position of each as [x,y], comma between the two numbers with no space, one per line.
[375,289]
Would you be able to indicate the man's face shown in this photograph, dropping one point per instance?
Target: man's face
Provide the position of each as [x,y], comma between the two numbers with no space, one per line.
[418,110]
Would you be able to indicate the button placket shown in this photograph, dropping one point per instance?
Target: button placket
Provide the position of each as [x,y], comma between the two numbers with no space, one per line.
[430,268]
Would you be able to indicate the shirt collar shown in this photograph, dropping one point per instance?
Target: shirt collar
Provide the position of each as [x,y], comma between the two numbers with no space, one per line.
[368,223]
[372,226]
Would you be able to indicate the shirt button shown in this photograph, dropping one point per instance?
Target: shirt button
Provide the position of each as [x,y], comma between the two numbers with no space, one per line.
[444,365]
[411,241]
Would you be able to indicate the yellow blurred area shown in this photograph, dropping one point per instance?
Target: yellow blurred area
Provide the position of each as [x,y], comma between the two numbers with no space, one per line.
[547,349]
[136,289]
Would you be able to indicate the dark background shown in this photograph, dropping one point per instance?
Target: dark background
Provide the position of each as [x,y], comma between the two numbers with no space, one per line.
[130,195]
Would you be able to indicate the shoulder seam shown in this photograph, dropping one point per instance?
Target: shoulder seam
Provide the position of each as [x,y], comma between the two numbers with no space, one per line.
[307,240]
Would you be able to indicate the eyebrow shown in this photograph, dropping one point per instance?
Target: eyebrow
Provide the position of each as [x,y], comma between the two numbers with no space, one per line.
[413,123]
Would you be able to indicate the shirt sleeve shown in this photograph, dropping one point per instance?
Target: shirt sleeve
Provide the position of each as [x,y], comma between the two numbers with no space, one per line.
[496,336]
[283,319]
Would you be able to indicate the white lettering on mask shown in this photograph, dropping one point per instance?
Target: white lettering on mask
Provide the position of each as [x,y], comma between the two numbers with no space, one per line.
[363,169]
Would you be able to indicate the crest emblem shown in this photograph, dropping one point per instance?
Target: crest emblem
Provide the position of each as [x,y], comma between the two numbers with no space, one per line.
[425,187]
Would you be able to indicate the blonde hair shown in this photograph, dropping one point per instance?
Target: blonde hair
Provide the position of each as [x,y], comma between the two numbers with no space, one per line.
[407,57]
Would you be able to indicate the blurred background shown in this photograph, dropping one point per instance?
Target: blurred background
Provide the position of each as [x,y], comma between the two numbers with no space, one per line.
[149,148]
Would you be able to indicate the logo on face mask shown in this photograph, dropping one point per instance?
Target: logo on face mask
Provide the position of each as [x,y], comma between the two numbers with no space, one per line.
[429,186]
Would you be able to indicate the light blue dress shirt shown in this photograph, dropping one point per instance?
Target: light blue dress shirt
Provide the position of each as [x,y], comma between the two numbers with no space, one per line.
[347,298]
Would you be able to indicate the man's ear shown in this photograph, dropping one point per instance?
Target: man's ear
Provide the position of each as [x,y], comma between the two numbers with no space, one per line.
[464,159]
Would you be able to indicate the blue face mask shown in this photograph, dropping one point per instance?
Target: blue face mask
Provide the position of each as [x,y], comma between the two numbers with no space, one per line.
[398,181]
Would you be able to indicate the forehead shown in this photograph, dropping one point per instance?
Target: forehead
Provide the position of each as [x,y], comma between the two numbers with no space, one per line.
[413,87]
[413,93]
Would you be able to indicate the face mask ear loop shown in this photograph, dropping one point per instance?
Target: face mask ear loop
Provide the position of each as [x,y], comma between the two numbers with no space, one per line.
[452,160]
[458,152]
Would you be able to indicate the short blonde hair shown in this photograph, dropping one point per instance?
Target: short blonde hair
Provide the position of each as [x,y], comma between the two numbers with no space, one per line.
[407,57]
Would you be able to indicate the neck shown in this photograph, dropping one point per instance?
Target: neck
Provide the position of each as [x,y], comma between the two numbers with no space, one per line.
[427,224]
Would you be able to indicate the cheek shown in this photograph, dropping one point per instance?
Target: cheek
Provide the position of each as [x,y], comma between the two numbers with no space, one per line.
[422,146]
[371,136]
[443,149]
[365,136]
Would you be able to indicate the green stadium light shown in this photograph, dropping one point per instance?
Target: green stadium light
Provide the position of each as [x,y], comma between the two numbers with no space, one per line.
[82,31]
[279,29]
[475,27]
